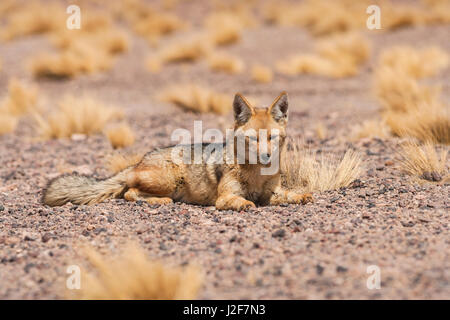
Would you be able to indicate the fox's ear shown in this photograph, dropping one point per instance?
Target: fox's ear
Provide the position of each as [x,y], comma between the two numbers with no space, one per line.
[242,109]
[279,108]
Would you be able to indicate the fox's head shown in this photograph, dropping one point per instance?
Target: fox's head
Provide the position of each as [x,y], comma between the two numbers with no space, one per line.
[264,129]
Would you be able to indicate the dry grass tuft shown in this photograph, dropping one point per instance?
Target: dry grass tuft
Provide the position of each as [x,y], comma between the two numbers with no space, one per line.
[154,64]
[21,99]
[400,16]
[186,51]
[76,116]
[33,18]
[430,123]
[157,25]
[337,57]
[438,12]
[120,136]
[423,162]
[413,62]
[225,63]
[132,275]
[371,129]
[409,108]
[345,15]
[8,123]
[70,63]
[223,28]
[109,40]
[85,51]
[146,21]
[342,16]
[302,170]
[398,92]
[197,98]
[6,6]
[119,161]
[321,131]
[351,47]
[262,74]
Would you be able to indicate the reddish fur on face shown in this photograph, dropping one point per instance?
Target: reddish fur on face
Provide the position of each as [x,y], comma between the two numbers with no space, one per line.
[261,119]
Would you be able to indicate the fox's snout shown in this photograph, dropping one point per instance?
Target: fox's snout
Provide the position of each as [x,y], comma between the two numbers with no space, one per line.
[265,157]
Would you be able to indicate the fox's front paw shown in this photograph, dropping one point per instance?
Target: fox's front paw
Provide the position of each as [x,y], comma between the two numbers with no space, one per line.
[244,205]
[303,198]
[160,201]
[235,203]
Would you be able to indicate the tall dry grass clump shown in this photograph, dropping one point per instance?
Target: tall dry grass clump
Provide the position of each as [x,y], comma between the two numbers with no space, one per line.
[8,122]
[20,100]
[225,27]
[79,59]
[262,74]
[399,92]
[409,108]
[76,116]
[197,98]
[32,17]
[337,57]
[225,63]
[321,131]
[305,170]
[348,15]
[131,275]
[221,27]
[90,49]
[120,136]
[398,15]
[424,162]
[188,50]
[341,15]
[371,129]
[430,123]
[416,63]
[6,6]
[147,21]
[437,12]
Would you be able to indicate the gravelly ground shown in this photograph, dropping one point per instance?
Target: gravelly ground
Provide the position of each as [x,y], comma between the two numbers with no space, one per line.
[323,249]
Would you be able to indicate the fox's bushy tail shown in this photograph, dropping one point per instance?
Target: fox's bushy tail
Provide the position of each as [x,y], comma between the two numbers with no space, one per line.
[79,189]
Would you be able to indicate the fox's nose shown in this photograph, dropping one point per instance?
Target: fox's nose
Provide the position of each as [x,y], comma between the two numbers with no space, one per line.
[265,157]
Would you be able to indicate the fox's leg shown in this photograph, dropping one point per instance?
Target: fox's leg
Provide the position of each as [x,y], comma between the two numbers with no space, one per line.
[153,184]
[281,196]
[133,194]
[229,196]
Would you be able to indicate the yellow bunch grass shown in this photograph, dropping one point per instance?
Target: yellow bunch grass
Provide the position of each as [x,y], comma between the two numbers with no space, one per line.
[424,162]
[197,98]
[132,275]
[120,136]
[416,63]
[305,170]
[76,116]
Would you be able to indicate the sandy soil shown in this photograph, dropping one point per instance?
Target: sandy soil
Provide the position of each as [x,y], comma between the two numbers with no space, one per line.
[319,250]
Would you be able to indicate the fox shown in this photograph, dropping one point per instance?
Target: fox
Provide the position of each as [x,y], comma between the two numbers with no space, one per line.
[228,185]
